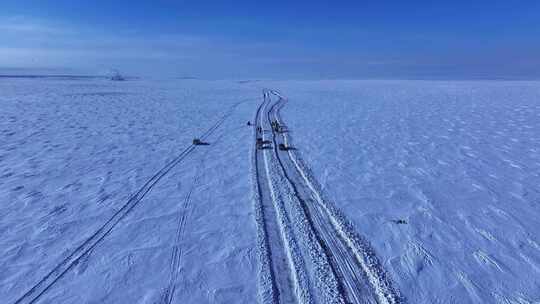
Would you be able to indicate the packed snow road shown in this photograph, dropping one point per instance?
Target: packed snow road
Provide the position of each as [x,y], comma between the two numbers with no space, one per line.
[327,260]
[275,279]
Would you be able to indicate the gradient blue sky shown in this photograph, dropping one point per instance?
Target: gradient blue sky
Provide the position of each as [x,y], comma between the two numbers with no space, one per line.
[274,39]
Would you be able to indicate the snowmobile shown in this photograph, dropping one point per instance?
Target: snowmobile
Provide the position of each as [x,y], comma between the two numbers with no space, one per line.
[283,147]
[198,142]
[263,144]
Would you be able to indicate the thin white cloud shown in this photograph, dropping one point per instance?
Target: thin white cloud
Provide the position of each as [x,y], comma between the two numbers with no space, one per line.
[24,25]
[27,42]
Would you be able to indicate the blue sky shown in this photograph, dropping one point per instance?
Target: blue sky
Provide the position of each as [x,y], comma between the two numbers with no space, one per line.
[274,39]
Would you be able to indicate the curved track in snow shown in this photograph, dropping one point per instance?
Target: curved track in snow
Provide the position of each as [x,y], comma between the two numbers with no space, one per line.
[67,263]
[328,262]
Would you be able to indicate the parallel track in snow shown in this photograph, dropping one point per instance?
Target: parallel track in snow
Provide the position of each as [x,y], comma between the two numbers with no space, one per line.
[67,263]
[358,275]
[357,247]
[272,229]
[185,211]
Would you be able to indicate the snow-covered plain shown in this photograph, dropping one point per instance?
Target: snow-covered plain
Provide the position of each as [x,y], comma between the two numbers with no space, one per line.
[442,178]
[72,153]
[458,161]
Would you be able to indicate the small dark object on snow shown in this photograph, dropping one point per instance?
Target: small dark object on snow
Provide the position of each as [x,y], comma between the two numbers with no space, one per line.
[116,76]
[278,128]
[275,126]
[263,144]
[198,142]
[283,147]
[249,123]
[400,222]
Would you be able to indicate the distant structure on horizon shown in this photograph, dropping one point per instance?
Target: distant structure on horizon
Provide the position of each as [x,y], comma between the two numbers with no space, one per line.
[116,76]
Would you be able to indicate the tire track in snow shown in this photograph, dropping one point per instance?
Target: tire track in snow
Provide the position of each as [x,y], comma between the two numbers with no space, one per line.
[282,276]
[184,214]
[268,288]
[355,262]
[67,263]
[324,279]
[177,252]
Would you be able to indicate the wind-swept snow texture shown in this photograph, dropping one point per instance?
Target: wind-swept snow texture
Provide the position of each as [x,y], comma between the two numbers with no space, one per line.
[396,191]
[442,178]
[104,200]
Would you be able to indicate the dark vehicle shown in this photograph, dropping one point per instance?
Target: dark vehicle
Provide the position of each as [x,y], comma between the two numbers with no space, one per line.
[198,142]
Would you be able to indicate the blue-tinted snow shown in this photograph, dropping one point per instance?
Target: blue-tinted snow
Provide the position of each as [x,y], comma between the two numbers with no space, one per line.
[457,162]
[71,154]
